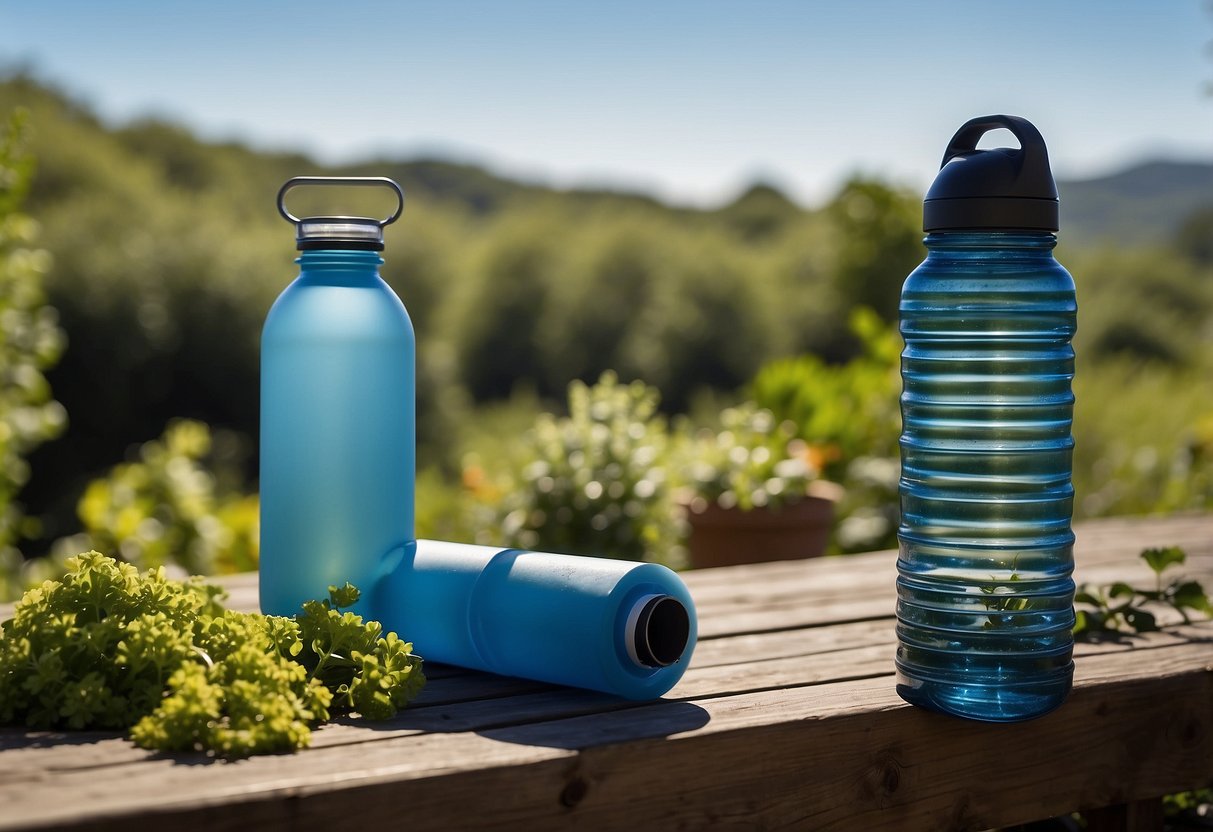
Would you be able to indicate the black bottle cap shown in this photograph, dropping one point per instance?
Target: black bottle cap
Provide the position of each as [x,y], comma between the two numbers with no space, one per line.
[1010,189]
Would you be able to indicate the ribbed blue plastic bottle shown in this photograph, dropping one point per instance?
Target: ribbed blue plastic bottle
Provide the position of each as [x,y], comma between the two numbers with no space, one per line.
[337,415]
[985,595]
[609,625]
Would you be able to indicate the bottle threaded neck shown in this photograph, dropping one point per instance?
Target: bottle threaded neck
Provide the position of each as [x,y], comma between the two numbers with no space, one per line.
[1043,241]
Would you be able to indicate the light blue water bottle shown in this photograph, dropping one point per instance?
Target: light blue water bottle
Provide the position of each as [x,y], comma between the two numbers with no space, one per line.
[337,414]
[985,598]
[615,626]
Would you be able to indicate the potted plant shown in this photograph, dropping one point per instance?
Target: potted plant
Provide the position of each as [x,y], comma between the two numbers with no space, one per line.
[753,493]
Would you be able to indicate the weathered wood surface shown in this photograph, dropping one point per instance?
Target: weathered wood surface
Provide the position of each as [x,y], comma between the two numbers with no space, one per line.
[787,718]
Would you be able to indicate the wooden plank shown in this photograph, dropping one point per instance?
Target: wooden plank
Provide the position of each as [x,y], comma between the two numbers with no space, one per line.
[512,743]
[538,725]
[472,714]
[849,755]
[780,611]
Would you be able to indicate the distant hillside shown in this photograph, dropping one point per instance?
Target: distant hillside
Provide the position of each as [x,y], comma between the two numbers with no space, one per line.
[1145,203]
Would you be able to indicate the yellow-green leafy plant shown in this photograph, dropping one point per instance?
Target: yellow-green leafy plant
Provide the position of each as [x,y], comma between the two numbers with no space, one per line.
[107,647]
[166,508]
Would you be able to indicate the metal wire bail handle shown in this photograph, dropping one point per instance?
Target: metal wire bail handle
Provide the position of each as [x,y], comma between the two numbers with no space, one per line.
[296,181]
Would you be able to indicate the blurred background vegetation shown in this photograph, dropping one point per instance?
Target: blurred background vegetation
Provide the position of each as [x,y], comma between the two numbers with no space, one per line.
[137,264]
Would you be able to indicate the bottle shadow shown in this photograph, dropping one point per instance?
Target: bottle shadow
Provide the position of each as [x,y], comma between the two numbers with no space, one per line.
[13,737]
[533,713]
[644,721]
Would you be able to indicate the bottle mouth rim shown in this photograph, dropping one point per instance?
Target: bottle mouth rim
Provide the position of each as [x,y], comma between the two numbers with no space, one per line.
[339,232]
[657,632]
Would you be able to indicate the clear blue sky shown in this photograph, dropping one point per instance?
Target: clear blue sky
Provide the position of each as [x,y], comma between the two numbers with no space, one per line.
[690,99]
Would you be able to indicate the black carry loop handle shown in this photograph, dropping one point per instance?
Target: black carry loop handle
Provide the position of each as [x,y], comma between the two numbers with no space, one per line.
[1000,189]
[338,231]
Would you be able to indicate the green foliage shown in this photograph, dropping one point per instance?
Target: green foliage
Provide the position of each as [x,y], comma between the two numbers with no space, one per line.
[160,241]
[167,508]
[848,414]
[505,301]
[879,233]
[752,461]
[846,410]
[367,672]
[106,647]
[1194,239]
[1190,810]
[594,482]
[1121,608]
[1143,439]
[759,214]
[1145,305]
[30,343]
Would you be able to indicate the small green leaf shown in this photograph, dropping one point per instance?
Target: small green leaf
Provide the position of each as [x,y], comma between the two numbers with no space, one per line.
[1120,589]
[1159,559]
[1190,595]
[344,597]
[1140,620]
[1080,621]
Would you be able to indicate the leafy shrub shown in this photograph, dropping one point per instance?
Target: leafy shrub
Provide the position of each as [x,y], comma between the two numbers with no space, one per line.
[594,482]
[751,462]
[166,508]
[844,410]
[1143,438]
[30,343]
[849,416]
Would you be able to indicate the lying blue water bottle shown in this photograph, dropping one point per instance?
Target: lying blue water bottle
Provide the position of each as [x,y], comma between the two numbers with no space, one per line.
[985,595]
[615,626]
[337,413]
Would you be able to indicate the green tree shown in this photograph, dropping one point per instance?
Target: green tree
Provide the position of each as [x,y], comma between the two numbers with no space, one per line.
[877,231]
[497,325]
[761,213]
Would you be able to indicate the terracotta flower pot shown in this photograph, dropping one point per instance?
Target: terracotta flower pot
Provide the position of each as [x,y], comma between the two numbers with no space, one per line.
[728,536]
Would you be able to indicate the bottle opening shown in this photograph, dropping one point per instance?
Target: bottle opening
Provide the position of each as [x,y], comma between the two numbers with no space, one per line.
[658,631]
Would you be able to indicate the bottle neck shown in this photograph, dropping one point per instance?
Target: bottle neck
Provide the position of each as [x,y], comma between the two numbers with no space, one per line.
[339,260]
[976,243]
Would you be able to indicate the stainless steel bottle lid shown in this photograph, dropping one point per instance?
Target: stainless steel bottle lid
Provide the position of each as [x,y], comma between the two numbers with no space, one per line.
[339,232]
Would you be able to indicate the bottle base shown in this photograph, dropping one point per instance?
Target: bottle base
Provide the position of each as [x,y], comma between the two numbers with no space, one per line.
[986,703]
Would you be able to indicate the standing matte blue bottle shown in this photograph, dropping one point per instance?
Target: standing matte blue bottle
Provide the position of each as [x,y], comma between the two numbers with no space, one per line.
[337,414]
[985,595]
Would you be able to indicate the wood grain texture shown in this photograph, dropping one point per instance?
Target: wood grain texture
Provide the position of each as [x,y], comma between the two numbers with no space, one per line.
[787,718]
